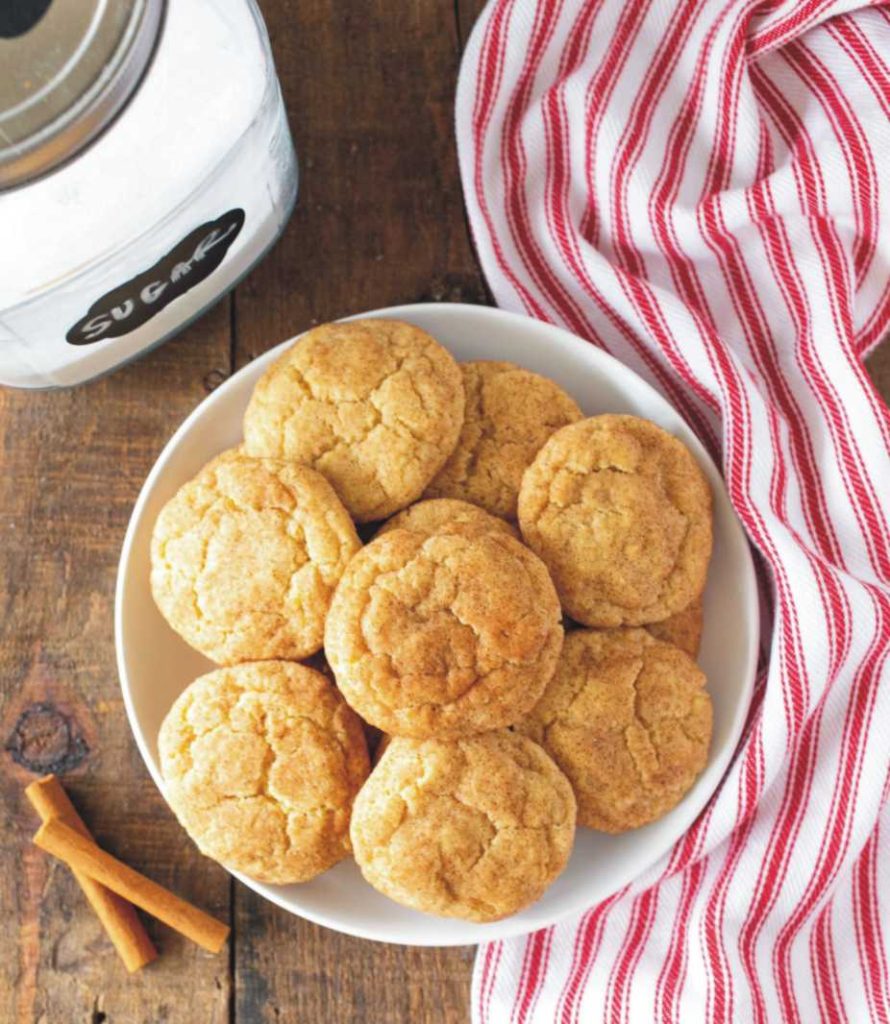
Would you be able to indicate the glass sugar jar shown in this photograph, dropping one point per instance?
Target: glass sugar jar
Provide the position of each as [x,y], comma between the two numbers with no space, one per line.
[146,165]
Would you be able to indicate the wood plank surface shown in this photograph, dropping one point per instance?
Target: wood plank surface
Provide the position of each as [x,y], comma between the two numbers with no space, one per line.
[369,90]
[71,465]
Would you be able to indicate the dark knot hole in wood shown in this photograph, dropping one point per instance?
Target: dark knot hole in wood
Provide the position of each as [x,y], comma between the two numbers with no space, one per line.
[45,739]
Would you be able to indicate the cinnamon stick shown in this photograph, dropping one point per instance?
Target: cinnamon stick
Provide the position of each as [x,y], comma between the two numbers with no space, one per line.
[82,854]
[118,917]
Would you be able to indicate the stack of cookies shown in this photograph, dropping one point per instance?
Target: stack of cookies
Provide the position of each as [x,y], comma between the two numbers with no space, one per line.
[521,627]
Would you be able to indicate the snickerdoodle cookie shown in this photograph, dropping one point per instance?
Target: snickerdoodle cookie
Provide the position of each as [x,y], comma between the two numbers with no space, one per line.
[683,629]
[261,763]
[628,720]
[376,406]
[510,413]
[245,558]
[475,828]
[446,515]
[620,512]
[445,634]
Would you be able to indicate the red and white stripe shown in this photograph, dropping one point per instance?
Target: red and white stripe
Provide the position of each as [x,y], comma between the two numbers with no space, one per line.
[702,187]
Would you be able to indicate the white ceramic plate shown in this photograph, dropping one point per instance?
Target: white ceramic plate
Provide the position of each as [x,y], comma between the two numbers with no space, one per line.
[155,664]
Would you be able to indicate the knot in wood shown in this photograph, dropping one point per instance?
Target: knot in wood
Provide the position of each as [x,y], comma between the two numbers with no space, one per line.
[44,739]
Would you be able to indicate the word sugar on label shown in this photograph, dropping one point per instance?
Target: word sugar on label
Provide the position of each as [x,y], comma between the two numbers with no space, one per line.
[133,303]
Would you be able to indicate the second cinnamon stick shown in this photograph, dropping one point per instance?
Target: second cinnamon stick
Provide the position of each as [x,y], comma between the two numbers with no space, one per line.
[82,854]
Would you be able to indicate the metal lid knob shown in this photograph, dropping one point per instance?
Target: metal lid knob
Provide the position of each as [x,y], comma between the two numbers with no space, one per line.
[68,68]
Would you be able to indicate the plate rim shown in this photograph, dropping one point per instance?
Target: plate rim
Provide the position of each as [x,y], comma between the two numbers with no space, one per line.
[496,930]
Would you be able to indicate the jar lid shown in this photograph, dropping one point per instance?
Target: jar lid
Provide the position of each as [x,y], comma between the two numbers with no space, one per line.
[68,69]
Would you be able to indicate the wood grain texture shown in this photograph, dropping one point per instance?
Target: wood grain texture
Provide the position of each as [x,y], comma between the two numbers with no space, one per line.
[71,465]
[370,93]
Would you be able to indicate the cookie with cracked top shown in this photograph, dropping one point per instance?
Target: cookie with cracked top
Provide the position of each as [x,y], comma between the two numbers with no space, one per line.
[376,406]
[475,828]
[261,764]
[444,634]
[628,720]
[245,558]
[510,413]
[620,512]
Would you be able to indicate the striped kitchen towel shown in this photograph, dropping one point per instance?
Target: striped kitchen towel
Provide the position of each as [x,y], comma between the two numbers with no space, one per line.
[702,188]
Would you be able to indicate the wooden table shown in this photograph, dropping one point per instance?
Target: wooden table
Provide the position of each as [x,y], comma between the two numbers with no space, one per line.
[369,88]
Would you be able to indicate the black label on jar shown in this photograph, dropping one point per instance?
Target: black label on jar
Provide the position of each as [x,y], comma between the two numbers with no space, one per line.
[135,302]
[19,16]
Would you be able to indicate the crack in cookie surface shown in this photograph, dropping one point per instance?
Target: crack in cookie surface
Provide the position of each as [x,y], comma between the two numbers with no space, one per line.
[628,720]
[261,763]
[474,828]
[245,558]
[443,634]
[621,514]
[374,405]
